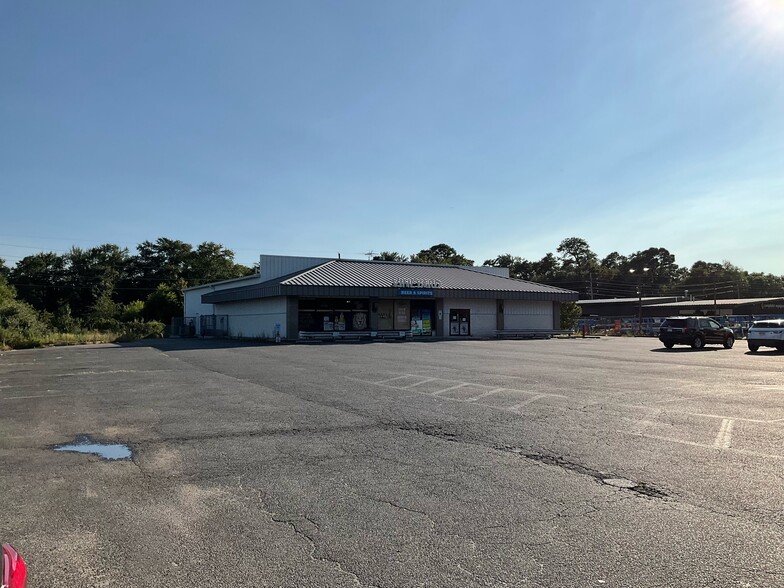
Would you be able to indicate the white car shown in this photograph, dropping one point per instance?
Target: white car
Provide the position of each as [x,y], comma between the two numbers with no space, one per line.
[767,333]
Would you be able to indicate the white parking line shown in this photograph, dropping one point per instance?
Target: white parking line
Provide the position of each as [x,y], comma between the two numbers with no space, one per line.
[703,445]
[528,401]
[724,438]
[721,416]
[390,379]
[455,387]
[483,394]
[418,384]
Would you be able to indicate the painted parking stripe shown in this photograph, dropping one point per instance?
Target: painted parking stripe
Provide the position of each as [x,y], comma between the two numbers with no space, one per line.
[392,379]
[455,387]
[528,401]
[703,445]
[487,393]
[724,437]
[418,384]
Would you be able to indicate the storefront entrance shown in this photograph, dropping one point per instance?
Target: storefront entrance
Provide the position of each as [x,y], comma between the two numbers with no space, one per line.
[460,322]
[423,318]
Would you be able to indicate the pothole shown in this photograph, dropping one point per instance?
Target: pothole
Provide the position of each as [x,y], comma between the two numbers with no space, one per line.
[640,488]
[108,451]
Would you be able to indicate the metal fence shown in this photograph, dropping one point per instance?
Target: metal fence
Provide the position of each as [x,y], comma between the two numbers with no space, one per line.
[214,325]
[183,326]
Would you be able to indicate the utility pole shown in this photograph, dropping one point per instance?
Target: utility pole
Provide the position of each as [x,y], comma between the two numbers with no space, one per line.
[639,297]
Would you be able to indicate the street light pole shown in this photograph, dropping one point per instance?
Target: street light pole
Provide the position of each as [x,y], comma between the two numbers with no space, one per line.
[639,297]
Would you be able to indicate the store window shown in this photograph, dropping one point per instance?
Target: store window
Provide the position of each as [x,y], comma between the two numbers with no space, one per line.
[333,314]
[385,310]
[402,315]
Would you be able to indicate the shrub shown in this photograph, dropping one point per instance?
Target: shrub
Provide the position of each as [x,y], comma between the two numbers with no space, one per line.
[133,311]
[142,330]
[20,325]
[162,304]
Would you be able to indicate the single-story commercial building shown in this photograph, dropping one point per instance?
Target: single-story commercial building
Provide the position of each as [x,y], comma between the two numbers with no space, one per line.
[298,297]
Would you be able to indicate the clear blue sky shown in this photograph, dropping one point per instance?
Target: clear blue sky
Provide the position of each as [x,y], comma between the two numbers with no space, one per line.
[314,127]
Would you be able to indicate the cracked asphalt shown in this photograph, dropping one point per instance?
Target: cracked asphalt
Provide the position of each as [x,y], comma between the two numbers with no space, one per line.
[597,462]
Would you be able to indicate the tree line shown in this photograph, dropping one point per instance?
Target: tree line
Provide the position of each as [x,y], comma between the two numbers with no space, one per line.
[106,287]
[651,272]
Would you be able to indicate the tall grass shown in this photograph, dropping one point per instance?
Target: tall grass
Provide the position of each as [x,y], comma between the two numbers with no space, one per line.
[17,339]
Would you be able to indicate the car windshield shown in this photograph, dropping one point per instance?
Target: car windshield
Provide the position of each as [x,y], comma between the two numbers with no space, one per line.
[768,325]
[680,323]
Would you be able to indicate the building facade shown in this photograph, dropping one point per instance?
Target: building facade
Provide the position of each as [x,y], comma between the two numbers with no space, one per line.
[297,297]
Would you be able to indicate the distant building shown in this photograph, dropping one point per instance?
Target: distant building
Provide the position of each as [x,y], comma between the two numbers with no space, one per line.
[657,307]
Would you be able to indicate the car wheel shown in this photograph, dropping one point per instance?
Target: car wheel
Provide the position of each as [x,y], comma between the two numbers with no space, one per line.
[669,345]
[698,342]
[753,348]
[780,347]
[729,342]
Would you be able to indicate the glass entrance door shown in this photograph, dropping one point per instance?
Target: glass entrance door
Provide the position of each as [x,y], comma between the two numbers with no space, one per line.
[459,322]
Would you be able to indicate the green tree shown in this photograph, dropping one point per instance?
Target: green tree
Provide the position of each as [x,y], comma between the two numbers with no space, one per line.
[165,261]
[163,304]
[103,312]
[577,258]
[519,268]
[759,285]
[212,262]
[709,279]
[39,280]
[391,256]
[93,273]
[547,269]
[662,273]
[441,254]
[612,266]
[570,313]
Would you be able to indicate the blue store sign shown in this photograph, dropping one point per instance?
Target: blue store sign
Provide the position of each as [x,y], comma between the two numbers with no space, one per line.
[415,292]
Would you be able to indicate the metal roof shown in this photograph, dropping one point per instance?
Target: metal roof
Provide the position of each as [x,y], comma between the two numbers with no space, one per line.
[241,279]
[383,279]
[719,302]
[634,299]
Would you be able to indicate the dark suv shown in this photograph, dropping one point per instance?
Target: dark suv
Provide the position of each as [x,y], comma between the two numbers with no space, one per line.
[695,331]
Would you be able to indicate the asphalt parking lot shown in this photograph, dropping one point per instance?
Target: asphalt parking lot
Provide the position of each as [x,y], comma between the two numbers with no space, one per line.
[597,462]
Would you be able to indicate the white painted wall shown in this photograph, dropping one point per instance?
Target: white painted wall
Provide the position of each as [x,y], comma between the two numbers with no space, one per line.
[528,314]
[518,314]
[255,318]
[483,317]
[193,306]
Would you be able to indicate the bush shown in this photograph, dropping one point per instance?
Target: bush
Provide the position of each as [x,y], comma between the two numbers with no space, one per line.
[142,330]
[20,325]
[133,311]
[163,304]
[64,321]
